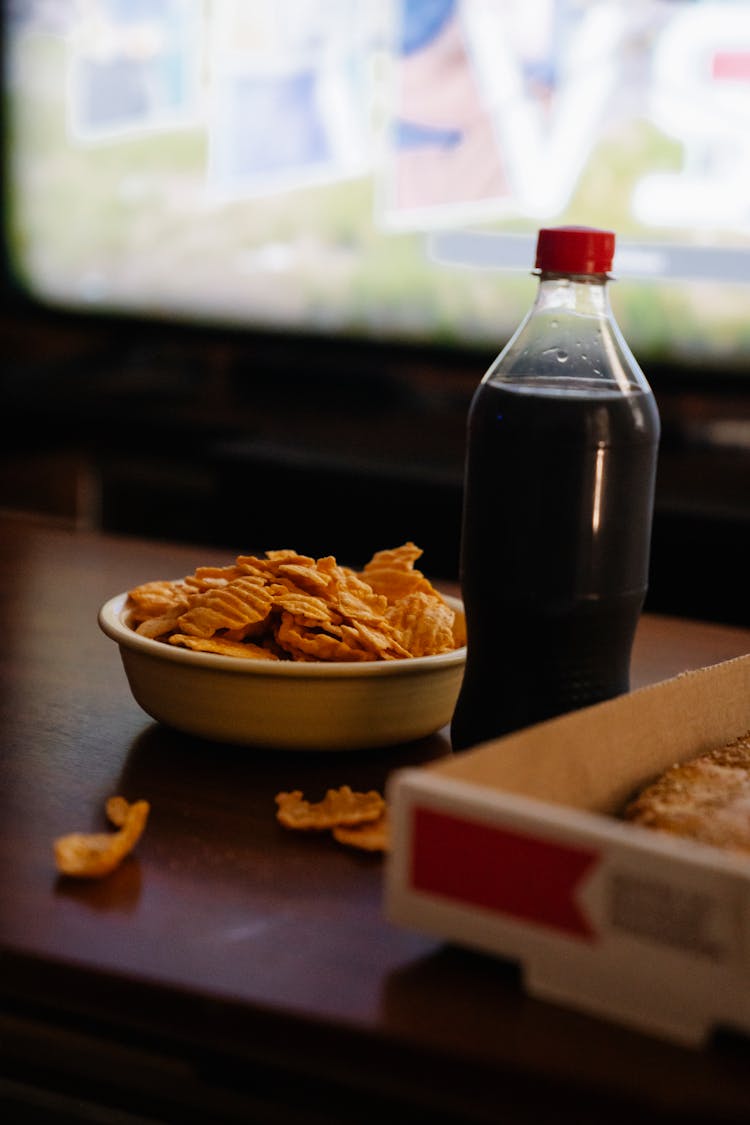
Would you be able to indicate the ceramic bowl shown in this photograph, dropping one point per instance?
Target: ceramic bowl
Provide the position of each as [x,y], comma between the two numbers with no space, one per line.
[285,705]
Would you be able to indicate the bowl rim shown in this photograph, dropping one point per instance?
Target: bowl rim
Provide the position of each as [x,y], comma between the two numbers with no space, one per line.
[110,620]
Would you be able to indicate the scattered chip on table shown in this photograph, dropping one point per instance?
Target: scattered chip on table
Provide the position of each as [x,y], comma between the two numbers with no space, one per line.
[91,855]
[339,807]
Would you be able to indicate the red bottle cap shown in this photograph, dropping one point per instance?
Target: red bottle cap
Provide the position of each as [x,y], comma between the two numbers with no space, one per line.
[575,250]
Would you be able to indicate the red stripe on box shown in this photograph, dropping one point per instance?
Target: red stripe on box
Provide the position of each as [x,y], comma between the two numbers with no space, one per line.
[500,870]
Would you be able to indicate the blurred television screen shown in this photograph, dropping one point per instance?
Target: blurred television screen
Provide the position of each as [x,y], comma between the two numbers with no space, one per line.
[379,169]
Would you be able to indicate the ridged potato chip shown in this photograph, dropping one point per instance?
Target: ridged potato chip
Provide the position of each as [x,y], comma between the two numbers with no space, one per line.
[153,599]
[213,577]
[392,574]
[339,807]
[159,626]
[303,643]
[241,602]
[223,646]
[312,610]
[423,623]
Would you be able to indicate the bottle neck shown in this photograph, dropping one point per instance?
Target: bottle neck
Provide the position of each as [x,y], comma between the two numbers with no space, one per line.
[587,294]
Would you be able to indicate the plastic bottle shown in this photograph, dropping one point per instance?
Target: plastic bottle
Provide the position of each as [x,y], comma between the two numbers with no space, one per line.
[563,434]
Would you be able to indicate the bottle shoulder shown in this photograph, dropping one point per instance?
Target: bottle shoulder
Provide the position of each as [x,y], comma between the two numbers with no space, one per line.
[569,353]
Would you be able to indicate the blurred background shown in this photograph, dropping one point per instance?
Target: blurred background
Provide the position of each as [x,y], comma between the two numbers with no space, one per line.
[259,253]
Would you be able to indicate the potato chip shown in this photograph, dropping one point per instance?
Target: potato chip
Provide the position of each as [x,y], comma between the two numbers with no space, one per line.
[155,627]
[380,641]
[222,646]
[285,555]
[423,623]
[306,606]
[153,599]
[212,577]
[310,578]
[302,642]
[372,836]
[241,602]
[270,566]
[355,599]
[91,855]
[395,584]
[459,630]
[402,557]
[339,807]
[392,574]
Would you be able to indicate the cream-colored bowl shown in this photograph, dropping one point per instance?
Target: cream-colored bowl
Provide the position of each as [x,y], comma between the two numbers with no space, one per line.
[286,705]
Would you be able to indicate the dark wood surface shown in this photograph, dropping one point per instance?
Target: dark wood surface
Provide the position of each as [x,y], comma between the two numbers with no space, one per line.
[234,971]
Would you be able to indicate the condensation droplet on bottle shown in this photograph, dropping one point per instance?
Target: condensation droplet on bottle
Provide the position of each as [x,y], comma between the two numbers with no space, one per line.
[559,353]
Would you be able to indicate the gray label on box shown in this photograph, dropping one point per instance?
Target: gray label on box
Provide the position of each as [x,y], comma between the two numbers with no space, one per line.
[681,917]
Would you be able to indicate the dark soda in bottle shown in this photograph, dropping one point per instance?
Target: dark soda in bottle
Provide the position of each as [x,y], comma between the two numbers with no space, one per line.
[562,443]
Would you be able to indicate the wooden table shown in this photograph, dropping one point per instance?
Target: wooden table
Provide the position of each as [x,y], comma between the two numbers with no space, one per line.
[232,970]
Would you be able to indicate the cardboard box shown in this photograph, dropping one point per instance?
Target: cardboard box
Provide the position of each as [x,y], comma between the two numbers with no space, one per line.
[517,847]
